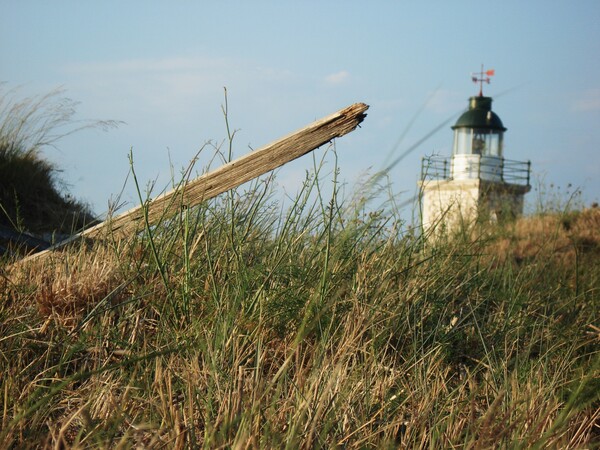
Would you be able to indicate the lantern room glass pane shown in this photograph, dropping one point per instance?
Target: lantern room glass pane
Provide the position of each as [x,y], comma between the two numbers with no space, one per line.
[479,145]
[468,141]
[495,144]
[462,141]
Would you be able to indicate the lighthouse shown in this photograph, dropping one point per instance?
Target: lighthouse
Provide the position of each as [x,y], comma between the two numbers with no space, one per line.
[476,183]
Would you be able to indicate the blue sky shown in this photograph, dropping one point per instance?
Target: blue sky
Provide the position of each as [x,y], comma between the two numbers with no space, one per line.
[160,67]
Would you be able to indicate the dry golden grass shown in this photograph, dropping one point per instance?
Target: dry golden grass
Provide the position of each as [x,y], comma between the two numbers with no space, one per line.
[323,340]
[66,286]
[561,236]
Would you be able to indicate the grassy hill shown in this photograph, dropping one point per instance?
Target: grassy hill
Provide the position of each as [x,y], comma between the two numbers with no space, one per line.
[237,325]
[32,198]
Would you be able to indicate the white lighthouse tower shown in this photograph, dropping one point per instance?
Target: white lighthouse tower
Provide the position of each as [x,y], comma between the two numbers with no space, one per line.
[476,182]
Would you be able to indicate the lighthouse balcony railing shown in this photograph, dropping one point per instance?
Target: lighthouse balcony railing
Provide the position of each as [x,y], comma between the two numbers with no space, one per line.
[437,167]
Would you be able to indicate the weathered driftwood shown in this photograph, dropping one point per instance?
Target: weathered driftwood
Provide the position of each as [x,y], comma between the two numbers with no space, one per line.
[11,237]
[229,175]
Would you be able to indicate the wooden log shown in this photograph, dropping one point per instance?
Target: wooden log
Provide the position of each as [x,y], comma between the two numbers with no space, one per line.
[228,176]
[24,241]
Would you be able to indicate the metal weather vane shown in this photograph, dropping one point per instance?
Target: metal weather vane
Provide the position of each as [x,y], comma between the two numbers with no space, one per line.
[482,77]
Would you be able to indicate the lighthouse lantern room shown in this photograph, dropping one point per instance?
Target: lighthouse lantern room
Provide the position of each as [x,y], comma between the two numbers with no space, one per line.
[477,182]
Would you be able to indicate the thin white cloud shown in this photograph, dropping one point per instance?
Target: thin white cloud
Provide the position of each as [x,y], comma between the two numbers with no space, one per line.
[173,85]
[588,101]
[151,65]
[338,77]
[156,80]
[186,67]
[176,75]
[271,74]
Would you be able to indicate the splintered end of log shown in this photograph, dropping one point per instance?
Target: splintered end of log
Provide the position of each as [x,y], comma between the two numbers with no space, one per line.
[229,176]
[355,113]
[359,111]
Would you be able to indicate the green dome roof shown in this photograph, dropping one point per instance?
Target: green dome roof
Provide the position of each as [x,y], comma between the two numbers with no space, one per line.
[480,115]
